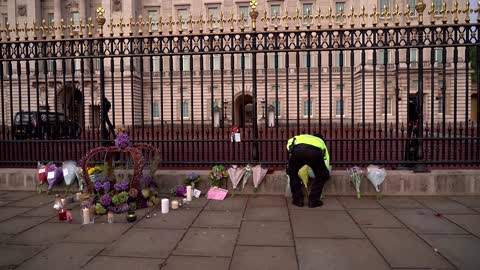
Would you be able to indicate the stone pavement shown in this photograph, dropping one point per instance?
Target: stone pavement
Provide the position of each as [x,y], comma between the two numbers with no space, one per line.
[248,232]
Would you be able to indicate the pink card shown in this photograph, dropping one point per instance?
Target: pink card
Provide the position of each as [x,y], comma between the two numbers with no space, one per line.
[217,194]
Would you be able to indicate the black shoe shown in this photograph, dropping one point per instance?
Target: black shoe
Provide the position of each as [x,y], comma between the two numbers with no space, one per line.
[298,202]
[315,204]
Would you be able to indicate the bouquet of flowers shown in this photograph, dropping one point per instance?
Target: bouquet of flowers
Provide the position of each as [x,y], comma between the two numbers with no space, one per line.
[122,141]
[376,175]
[356,178]
[217,175]
[192,179]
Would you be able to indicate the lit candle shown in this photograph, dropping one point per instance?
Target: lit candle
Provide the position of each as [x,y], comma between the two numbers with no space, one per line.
[174,204]
[189,193]
[110,217]
[165,206]
[62,215]
[78,196]
[86,216]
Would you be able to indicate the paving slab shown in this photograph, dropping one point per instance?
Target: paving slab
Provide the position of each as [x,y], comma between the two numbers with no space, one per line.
[325,224]
[44,234]
[175,219]
[219,219]
[123,263]
[399,203]
[259,200]
[34,201]
[266,233]
[4,237]
[353,202]
[329,203]
[470,201]
[371,218]
[236,203]
[13,255]
[338,254]
[444,205]
[461,250]
[149,243]
[403,249]
[266,213]
[425,221]
[7,212]
[3,202]
[196,202]
[42,211]
[64,255]
[261,258]
[19,224]
[192,262]
[98,233]
[207,242]
[471,223]
[16,195]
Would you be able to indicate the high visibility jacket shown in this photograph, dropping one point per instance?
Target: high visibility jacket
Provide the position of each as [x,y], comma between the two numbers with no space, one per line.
[313,141]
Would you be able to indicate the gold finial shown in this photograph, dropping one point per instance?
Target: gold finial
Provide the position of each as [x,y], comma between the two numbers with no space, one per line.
[265,20]
[35,29]
[16,30]
[62,28]
[308,18]
[121,25]
[444,12]
[210,22]
[455,12]
[25,30]
[160,24]
[254,13]
[100,20]
[432,12]
[201,22]
[149,24]
[420,7]
[352,17]
[297,18]
[180,23]
[110,27]
[374,15]
[408,14]
[276,20]
[395,15]
[330,17]
[131,24]
[52,29]
[80,28]
[140,24]
[242,20]
[385,15]
[44,29]
[362,15]
[232,21]
[467,12]
[190,22]
[170,24]
[90,26]
[286,19]
[221,21]
[70,28]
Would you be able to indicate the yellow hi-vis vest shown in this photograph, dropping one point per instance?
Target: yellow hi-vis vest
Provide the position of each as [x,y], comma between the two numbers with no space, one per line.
[313,141]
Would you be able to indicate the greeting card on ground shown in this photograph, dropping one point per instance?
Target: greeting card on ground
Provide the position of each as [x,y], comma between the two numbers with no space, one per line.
[216,193]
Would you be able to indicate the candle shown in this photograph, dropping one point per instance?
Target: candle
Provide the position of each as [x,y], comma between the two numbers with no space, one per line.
[78,195]
[174,204]
[63,201]
[189,193]
[110,217]
[165,206]
[62,215]
[86,216]
[69,216]
[184,201]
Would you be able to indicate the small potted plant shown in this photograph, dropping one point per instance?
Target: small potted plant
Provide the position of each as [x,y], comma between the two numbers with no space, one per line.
[192,179]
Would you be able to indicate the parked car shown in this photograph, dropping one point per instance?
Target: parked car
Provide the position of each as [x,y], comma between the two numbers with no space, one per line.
[44,125]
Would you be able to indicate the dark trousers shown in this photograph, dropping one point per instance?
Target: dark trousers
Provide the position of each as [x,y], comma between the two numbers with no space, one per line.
[301,155]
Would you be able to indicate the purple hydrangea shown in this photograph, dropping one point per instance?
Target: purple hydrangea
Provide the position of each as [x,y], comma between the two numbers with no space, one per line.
[181,191]
[123,207]
[106,186]
[122,140]
[98,186]
[117,187]
[105,200]
[192,176]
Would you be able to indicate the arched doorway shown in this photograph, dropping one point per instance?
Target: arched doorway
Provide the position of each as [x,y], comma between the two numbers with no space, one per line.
[243,110]
[70,103]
